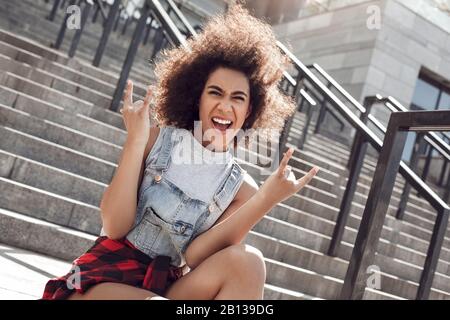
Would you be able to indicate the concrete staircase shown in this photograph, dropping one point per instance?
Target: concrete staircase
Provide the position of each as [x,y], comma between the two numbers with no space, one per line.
[60,145]
[22,17]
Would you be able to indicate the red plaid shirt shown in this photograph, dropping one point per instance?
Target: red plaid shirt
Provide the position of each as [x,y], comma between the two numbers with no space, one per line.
[114,261]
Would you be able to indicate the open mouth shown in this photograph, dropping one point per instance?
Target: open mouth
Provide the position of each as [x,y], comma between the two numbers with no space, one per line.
[221,124]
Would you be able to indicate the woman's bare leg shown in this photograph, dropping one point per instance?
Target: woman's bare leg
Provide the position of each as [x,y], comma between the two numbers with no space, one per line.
[113,291]
[236,272]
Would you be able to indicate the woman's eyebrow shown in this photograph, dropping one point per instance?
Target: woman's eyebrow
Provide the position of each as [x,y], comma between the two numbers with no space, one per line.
[220,89]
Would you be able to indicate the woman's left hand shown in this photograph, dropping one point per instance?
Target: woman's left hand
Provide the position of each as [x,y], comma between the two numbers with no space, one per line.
[282,184]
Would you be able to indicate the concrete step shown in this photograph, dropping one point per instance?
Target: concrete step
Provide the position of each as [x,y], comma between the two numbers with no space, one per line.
[66,101]
[117,46]
[317,144]
[49,207]
[417,225]
[300,228]
[26,57]
[113,56]
[26,232]
[55,155]
[23,274]
[59,134]
[393,273]
[56,114]
[88,88]
[38,175]
[43,51]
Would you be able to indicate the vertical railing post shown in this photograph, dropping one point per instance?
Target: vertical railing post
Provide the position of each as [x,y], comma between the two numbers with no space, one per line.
[62,29]
[125,25]
[157,42]
[443,171]
[305,129]
[116,23]
[368,103]
[434,250]
[147,31]
[322,112]
[97,10]
[446,197]
[346,203]
[54,10]
[76,38]
[132,50]
[113,12]
[426,167]
[375,211]
[419,148]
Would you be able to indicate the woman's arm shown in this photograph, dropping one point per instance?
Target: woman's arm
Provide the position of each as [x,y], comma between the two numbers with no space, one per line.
[119,201]
[234,228]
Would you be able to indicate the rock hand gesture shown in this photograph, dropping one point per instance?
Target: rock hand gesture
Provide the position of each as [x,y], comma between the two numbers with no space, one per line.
[136,115]
[282,184]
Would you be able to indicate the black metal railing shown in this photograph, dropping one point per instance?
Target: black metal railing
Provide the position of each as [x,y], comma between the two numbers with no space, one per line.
[389,162]
[339,91]
[364,137]
[171,28]
[425,143]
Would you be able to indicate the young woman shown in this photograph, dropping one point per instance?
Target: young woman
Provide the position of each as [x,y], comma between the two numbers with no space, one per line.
[174,228]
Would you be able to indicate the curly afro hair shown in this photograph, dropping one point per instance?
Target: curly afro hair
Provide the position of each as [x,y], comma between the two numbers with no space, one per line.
[234,40]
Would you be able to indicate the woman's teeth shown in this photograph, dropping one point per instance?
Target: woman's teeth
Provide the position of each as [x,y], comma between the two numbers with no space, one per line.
[221,124]
[221,121]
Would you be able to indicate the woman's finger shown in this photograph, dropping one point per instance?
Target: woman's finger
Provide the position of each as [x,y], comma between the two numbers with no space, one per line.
[148,97]
[128,99]
[303,181]
[284,162]
[287,172]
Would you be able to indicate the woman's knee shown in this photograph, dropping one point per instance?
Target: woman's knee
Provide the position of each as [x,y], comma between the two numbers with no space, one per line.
[246,260]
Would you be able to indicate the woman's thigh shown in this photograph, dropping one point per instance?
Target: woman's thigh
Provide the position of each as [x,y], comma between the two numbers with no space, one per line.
[205,281]
[113,291]
[201,283]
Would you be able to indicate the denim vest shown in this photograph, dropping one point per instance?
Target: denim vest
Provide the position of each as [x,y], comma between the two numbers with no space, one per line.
[167,219]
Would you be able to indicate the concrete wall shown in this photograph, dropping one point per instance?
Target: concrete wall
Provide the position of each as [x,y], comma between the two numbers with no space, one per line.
[367,62]
[406,43]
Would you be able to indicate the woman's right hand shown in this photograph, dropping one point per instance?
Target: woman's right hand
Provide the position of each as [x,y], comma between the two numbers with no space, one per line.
[136,116]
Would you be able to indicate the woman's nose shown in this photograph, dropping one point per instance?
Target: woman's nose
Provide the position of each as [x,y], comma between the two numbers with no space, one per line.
[226,106]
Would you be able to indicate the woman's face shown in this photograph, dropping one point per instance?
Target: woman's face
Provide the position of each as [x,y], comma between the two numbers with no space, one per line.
[224,106]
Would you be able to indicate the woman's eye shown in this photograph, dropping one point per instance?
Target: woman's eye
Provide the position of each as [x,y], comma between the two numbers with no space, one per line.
[215,93]
[240,98]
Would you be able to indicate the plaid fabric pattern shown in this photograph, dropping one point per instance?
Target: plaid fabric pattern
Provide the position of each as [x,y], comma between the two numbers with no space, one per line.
[114,261]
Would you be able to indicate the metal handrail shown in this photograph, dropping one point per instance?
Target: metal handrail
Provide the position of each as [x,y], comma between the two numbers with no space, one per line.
[430,137]
[437,143]
[364,136]
[191,31]
[379,197]
[168,27]
[338,87]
